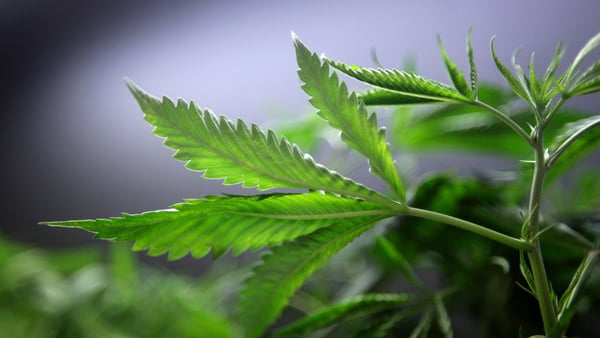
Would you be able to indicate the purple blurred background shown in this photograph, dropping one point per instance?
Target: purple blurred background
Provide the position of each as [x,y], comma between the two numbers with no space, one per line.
[75,145]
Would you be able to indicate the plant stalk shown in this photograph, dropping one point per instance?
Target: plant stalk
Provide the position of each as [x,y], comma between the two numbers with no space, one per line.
[510,241]
[540,278]
[507,120]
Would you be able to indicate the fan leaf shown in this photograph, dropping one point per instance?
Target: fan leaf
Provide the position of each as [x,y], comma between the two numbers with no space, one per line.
[274,282]
[345,113]
[239,154]
[406,83]
[238,223]
[361,305]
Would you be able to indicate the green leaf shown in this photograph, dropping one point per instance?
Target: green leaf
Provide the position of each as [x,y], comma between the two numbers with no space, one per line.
[380,324]
[472,66]
[592,44]
[586,129]
[529,89]
[527,274]
[379,96]
[422,328]
[551,70]
[443,319]
[463,127]
[358,306]
[534,83]
[592,72]
[406,83]
[239,154]
[457,77]
[400,262]
[234,222]
[588,87]
[274,282]
[569,300]
[344,112]
[308,132]
[516,86]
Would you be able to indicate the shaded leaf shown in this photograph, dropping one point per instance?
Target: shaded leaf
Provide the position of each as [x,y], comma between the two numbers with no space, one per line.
[379,96]
[400,262]
[344,112]
[274,282]
[422,328]
[222,223]
[463,127]
[239,154]
[307,132]
[379,325]
[358,306]
[443,319]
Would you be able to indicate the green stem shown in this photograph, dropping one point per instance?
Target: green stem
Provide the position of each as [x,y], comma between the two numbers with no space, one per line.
[516,243]
[507,120]
[540,279]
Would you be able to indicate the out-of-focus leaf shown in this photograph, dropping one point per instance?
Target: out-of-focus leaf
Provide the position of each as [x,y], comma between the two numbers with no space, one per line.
[572,143]
[359,306]
[592,44]
[267,292]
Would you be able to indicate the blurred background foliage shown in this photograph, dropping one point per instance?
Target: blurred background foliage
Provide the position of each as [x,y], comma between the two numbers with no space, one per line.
[92,292]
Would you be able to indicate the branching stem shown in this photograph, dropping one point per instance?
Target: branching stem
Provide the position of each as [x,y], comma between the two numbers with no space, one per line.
[542,288]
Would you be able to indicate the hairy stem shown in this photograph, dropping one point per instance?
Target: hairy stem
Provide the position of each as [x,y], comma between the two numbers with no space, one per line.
[540,279]
[513,242]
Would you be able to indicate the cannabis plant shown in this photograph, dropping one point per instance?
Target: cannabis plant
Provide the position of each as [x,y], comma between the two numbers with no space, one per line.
[324,211]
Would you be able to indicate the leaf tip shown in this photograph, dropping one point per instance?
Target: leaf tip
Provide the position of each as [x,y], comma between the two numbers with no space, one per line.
[296,40]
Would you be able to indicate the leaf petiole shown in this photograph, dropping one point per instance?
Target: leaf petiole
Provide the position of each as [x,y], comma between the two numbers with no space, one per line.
[510,241]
